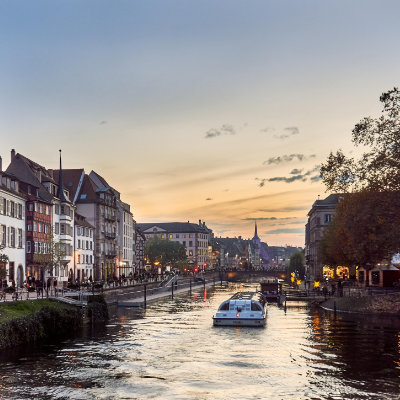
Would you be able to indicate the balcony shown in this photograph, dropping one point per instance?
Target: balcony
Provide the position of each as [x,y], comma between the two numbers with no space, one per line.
[109,217]
[110,235]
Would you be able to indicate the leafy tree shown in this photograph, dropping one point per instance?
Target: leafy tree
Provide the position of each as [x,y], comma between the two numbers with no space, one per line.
[297,263]
[378,168]
[55,253]
[164,251]
[365,230]
[3,262]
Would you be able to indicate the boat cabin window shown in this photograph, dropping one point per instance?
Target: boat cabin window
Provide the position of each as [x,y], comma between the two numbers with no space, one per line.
[224,306]
[255,307]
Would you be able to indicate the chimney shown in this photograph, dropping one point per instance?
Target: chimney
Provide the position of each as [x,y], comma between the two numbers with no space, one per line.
[1,164]
[12,155]
[199,222]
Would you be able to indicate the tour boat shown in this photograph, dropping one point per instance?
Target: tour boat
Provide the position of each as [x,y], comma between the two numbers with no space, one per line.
[272,291]
[242,309]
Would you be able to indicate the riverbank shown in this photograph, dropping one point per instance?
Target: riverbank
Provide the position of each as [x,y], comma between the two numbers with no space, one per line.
[32,321]
[386,304]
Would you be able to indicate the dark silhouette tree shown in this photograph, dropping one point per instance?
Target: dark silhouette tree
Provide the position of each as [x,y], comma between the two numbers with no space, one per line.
[164,251]
[378,168]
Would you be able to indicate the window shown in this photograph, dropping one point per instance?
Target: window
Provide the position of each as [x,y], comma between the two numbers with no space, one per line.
[79,258]
[28,246]
[162,236]
[20,211]
[46,228]
[79,243]
[3,235]
[30,207]
[12,208]
[375,277]
[29,227]
[190,235]
[170,236]
[20,238]
[361,276]
[40,227]
[190,243]
[62,229]
[34,226]
[177,235]
[36,206]
[57,228]
[328,218]
[12,238]
[190,252]
[41,208]
[57,209]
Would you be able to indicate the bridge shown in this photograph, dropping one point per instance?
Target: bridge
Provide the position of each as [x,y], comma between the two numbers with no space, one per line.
[252,276]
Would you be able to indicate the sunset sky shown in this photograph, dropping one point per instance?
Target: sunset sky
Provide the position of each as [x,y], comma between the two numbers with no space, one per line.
[214,110]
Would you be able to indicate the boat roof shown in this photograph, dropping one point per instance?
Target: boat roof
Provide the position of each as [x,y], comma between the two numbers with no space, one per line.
[245,296]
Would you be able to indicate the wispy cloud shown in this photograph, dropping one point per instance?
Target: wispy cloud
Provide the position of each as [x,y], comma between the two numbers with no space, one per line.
[208,198]
[296,171]
[225,129]
[266,219]
[293,178]
[287,132]
[268,129]
[285,230]
[287,158]
[102,122]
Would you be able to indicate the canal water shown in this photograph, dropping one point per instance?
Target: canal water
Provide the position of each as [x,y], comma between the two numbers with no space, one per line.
[172,351]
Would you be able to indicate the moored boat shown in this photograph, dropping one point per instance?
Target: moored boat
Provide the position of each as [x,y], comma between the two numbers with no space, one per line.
[242,309]
[271,290]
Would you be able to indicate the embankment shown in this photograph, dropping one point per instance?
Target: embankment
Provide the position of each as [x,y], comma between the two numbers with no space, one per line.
[385,304]
[24,322]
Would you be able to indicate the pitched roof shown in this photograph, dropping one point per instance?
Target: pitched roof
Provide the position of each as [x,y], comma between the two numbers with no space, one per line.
[81,221]
[29,172]
[71,179]
[173,227]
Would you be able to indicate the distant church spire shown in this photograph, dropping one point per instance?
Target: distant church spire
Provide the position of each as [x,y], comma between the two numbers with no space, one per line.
[60,192]
[255,230]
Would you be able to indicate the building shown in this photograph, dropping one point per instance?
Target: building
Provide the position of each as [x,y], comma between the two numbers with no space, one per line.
[254,249]
[319,217]
[140,240]
[83,249]
[12,229]
[195,237]
[49,219]
[126,240]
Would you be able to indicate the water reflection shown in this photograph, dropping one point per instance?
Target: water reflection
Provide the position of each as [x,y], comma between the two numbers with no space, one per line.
[172,351]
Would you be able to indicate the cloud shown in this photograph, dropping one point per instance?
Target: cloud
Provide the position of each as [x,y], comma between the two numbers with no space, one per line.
[288,158]
[315,178]
[285,230]
[285,209]
[292,178]
[296,171]
[289,131]
[224,130]
[208,198]
[102,122]
[268,130]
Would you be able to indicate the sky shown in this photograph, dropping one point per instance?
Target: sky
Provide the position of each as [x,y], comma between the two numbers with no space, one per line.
[219,111]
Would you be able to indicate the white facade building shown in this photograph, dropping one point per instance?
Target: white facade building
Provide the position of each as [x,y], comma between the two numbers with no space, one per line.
[126,240]
[12,229]
[84,249]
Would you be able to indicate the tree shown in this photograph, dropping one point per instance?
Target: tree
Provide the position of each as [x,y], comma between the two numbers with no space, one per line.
[3,262]
[297,264]
[55,253]
[164,251]
[378,168]
[365,230]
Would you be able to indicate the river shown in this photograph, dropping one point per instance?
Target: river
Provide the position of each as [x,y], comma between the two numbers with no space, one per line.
[172,351]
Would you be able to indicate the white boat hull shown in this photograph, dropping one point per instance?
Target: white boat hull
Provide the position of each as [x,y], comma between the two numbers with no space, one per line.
[238,321]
